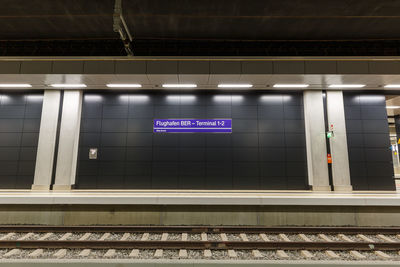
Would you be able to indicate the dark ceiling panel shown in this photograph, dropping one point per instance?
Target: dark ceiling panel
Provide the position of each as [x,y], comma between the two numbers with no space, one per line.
[203,19]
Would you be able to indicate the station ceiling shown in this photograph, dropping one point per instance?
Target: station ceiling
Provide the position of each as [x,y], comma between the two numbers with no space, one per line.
[201,25]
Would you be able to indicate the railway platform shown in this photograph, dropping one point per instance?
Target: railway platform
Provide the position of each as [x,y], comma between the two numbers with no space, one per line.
[108,207]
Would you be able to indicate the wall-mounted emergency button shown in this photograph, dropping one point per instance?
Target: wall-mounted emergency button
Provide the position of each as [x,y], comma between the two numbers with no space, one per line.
[92,153]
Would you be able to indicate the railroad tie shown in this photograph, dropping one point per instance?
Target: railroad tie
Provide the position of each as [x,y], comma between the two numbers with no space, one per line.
[110,253]
[364,238]
[203,236]
[16,250]
[184,236]
[306,254]
[125,236]
[282,254]
[25,237]
[46,236]
[305,238]
[382,254]
[85,252]
[7,236]
[207,253]
[325,238]
[159,252]
[345,238]
[284,237]
[386,238]
[104,236]
[353,253]
[183,252]
[134,253]
[331,254]
[244,238]
[145,237]
[85,236]
[65,236]
[264,237]
[357,254]
[232,253]
[60,253]
[224,237]
[256,253]
[12,253]
[36,253]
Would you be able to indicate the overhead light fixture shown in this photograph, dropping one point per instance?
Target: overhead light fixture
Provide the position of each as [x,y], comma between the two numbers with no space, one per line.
[392,107]
[124,85]
[68,85]
[15,85]
[179,85]
[279,85]
[392,86]
[235,85]
[346,85]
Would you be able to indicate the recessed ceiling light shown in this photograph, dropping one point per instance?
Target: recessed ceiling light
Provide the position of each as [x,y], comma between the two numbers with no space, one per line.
[346,85]
[235,85]
[124,85]
[179,85]
[68,85]
[392,107]
[392,86]
[15,85]
[278,85]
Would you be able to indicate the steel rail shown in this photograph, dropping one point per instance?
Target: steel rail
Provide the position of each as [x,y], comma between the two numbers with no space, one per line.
[94,244]
[201,229]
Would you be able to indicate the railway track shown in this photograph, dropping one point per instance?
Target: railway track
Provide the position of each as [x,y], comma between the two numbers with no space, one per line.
[183,242]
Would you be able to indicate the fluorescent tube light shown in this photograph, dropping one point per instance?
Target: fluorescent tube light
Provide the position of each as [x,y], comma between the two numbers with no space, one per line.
[183,85]
[68,85]
[235,85]
[124,85]
[392,86]
[392,107]
[346,85]
[15,85]
[291,85]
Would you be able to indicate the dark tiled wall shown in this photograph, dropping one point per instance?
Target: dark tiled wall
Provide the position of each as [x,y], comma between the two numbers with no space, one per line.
[19,132]
[368,142]
[265,151]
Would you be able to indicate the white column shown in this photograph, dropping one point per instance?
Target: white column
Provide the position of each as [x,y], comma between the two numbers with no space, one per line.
[47,140]
[315,141]
[69,140]
[338,142]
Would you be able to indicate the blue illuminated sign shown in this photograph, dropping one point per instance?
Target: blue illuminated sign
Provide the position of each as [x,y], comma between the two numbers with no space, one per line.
[192,126]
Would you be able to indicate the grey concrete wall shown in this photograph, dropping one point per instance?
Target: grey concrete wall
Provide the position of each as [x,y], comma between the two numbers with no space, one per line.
[199,215]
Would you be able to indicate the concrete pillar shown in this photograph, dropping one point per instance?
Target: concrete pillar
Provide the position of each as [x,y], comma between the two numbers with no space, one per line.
[47,140]
[338,142]
[69,140]
[315,140]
